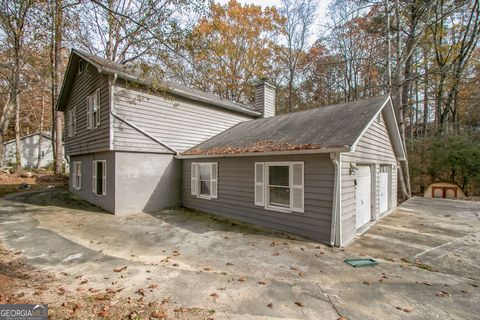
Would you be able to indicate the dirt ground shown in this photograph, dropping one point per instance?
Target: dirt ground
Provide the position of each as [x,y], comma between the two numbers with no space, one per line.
[29,181]
[19,280]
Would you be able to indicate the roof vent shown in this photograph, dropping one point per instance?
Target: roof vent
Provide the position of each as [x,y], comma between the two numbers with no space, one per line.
[265,97]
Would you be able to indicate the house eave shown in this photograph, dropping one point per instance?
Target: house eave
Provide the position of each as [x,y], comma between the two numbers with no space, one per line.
[268,153]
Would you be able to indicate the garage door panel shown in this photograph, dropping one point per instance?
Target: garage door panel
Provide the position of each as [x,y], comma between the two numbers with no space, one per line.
[363,194]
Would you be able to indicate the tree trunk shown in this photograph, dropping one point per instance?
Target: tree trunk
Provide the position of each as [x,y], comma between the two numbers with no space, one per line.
[40,138]
[18,153]
[4,123]
[56,88]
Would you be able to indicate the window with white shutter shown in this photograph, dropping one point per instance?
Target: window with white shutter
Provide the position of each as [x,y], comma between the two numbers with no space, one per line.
[99,181]
[93,110]
[283,186]
[204,180]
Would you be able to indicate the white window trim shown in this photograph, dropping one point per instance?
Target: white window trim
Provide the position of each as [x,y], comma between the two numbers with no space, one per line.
[72,122]
[266,191]
[196,180]
[74,176]
[92,101]
[104,178]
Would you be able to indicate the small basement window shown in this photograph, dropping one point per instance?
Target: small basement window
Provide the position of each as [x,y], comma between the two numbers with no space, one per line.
[279,186]
[204,180]
[99,181]
[77,175]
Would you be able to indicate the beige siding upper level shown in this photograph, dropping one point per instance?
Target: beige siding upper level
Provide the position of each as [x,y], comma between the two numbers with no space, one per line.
[85,140]
[178,123]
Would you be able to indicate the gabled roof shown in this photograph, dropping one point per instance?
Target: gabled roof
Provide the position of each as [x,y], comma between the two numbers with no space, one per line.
[327,129]
[124,72]
[45,134]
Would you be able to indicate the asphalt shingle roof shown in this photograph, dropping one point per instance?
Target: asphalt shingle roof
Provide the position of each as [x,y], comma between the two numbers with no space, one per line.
[333,126]
[128,73]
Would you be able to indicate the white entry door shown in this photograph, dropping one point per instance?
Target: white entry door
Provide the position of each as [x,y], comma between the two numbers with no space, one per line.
[383,188]
[363,196]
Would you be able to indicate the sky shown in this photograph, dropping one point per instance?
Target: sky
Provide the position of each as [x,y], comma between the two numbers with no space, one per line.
[321,14]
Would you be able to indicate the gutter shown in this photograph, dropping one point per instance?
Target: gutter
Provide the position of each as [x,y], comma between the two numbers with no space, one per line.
[336,226]
[129,123]
[270,153]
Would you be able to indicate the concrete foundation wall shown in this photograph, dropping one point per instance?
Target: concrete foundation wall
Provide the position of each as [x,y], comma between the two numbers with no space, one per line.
[146,182]
[106,202]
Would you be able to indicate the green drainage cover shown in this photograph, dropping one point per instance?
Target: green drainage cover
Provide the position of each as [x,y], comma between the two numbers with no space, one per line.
[357,263]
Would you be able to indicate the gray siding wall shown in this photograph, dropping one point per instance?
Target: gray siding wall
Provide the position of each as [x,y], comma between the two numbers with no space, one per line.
[98,139]
[178,122]
[106,202]
[236,195]
[146,182]
[375,148]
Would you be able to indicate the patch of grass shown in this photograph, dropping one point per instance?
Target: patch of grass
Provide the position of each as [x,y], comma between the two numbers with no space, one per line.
[425,267]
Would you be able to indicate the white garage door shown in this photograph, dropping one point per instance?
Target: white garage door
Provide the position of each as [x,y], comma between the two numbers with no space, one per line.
[363,194]
[383,188]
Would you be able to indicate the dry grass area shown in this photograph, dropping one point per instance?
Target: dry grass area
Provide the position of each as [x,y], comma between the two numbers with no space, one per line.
[21,283]
[30,181]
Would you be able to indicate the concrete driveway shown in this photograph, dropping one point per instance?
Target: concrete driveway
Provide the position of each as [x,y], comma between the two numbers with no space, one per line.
[429,252]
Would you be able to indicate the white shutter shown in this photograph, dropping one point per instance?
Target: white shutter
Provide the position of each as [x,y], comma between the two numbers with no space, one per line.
[94,180]
[74,117]
[194,179]
[79,168]
[70,123]
[97,104]
[297,194]
[89,112]
[259,184]
[104,178]
[214,180]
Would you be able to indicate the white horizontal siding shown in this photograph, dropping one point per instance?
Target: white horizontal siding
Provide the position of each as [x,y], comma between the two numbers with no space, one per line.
[177,122]
[374,147]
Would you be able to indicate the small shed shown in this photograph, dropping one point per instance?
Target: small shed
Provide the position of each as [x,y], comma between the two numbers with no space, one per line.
[444,189]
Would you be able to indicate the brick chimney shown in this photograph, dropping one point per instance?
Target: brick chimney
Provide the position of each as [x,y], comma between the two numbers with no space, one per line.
[265,97]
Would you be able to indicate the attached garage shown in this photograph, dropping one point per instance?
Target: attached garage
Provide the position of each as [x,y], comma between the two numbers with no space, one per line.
[325,174]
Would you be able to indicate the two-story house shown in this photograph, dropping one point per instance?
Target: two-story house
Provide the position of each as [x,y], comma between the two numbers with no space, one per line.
[136,145]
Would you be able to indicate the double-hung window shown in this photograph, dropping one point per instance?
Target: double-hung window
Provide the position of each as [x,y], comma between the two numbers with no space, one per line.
[204,180]
[279,186]
[77,175]
[72,122]
[93,110]
[99,181]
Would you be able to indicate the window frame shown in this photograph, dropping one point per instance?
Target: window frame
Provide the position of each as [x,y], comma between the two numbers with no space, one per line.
[93,110]
[196,181]
[77,180]
[266,186]
[95,178]
[72,122]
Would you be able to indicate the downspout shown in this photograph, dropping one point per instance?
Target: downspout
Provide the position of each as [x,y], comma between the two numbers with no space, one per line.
[336,222]
[112,96]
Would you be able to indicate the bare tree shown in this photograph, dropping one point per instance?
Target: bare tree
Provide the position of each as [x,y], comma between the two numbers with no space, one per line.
[13,19]
[300,16]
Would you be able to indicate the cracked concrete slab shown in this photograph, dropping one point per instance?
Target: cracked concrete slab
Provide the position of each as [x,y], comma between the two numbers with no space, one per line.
[191,255]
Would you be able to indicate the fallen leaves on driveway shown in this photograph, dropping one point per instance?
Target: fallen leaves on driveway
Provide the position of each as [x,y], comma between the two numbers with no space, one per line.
[158,314]
[299,304]
[408,310]
[242,279]
[270,305]
[442,294]
[120,269]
